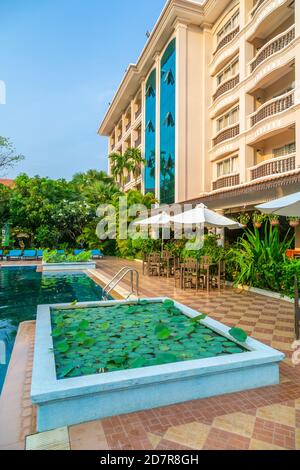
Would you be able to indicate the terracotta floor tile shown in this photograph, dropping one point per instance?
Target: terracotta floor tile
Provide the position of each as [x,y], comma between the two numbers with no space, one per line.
[279,414]
[191,435]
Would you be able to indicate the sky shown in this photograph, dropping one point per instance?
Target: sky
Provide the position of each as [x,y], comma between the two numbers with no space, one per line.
[61,62]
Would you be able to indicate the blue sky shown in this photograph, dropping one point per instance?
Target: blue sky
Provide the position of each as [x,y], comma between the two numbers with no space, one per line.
[61,61]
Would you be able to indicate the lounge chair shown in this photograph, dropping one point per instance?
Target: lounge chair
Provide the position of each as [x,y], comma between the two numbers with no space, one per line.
[1,254]
[77,252]
[60,252]
[97,254]
[14,254]
[39,254]
[29,254]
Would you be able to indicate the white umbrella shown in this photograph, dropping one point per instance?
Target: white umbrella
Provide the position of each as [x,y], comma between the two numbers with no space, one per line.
[288,206]
[157,221]
[201,215]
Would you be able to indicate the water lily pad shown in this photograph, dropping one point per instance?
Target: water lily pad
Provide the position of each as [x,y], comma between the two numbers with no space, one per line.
[162,331]
[238,334]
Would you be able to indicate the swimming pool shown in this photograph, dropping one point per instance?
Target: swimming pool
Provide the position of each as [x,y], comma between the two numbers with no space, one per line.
[22,289]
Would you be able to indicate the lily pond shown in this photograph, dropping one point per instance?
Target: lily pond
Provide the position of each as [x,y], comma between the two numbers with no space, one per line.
[95,340]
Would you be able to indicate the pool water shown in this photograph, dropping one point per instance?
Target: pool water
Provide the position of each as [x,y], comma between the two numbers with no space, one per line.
[22,289]
[95,340]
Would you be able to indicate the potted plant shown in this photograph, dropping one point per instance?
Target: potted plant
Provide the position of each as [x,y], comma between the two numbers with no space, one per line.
[294,221]
[258,219]
[244,219]
[274,219]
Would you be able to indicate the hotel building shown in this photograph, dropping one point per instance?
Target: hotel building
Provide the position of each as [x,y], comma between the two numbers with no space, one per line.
[213,103]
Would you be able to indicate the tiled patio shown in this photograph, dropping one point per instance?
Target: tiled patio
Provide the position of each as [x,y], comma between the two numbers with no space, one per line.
[267,418]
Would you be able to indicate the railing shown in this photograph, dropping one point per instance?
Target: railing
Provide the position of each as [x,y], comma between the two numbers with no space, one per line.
[128,126]
[226,86]
[110,286]
[119,137]
[227,39]
[138,141]
[273,166]
[256,7]
[138,112]
[274,45]
[272,107]
[226,134]
[226,182]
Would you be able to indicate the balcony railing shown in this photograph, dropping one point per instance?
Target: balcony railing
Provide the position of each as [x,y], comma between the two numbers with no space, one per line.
[128,126]
[227,39]
[226,182]
[274,45]
[272,107]
[226,134]
[274,166]
[226,86]
[138,112]
[256,7]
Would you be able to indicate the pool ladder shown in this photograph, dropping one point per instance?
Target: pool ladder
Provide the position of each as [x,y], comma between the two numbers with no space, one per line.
[110,286]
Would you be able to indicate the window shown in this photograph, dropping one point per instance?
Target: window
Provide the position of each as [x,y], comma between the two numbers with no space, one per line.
[227,167]
[230,71]
[229,26]
[228,119]
[284,150]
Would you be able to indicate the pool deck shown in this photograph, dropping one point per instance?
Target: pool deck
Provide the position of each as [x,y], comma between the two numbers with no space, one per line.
[266,418]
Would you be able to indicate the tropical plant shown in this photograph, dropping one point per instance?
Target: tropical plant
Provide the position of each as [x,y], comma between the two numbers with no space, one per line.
[258,219]
[290,269]
[244,218]
[294,221]
[274,219]
[134,160]
[51,257]
[258,260]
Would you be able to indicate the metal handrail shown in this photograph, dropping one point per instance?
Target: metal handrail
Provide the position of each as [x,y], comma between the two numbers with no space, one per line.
[118,278]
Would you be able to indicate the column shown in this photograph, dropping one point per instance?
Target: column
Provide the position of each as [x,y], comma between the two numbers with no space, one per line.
[181,113]
[157,128]
[143,125]
[297,89]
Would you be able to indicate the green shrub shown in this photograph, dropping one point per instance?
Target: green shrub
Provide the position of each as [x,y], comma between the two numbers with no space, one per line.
[52,257]
[291,268]
[257,261]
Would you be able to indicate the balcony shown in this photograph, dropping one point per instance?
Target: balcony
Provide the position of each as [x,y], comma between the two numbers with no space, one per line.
[226,134]
[138,142]
[272,107]
[227,39]
[226,86]
[138,112]
[128,126]
[274,166]
[226,182]
[274,45]
[256,7]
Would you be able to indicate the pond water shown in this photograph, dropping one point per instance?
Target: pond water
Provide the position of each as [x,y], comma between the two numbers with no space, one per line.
[22,289]
[95,340]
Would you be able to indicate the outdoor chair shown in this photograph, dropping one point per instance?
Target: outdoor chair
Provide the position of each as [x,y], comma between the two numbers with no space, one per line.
[39,254]
[1,254]
[14,254]
[167,263]
[60,252]
[190,274]
[297,309]
[154,264]
[97,254]
[29,254]
[78,252]
[205,275]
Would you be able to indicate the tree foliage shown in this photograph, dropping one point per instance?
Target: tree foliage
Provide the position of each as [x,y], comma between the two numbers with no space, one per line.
[8,155]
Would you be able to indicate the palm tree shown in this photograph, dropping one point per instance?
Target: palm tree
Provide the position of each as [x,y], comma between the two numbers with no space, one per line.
[134,160]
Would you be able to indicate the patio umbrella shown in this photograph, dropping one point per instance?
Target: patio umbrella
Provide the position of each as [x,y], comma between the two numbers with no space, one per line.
[201,215]
[161,220]
[288,206]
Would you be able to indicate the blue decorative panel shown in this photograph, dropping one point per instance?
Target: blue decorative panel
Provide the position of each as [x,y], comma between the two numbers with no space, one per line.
[167,125]
[150,133]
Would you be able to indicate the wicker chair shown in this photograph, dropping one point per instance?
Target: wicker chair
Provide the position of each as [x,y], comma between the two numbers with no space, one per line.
[190,274]
[154,264]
